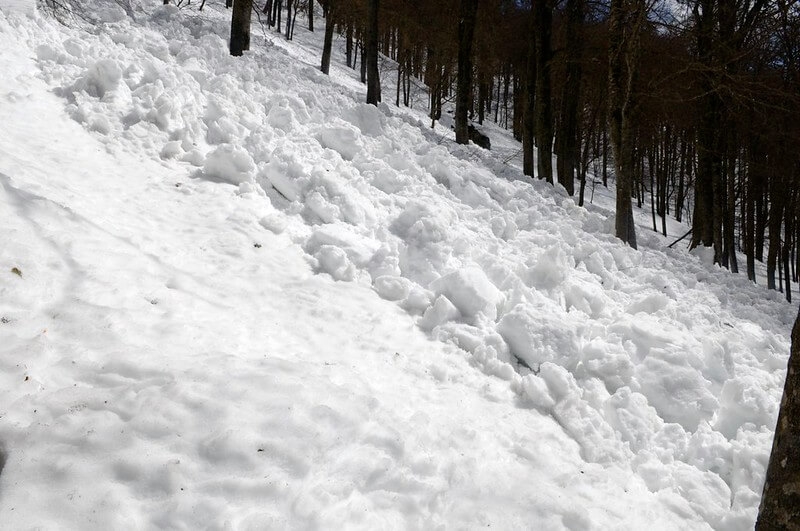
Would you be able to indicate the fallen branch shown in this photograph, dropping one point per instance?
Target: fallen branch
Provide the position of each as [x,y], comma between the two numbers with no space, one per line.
[679,239]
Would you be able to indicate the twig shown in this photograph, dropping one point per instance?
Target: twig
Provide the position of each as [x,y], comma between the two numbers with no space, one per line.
[679,239]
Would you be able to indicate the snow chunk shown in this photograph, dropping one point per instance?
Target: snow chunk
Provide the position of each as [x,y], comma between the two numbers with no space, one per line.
[649,304]
[282,116]
[171,150]
[743,399]
[551,268]
[108,13]
[439,313]
[357,248]
[536,392]
[333,260]
[101,78]
[471,292]
[274,222]
[537,335]
[344,139]
[677,391]
[367,118]
[391,287]
[285,184]
[231,164]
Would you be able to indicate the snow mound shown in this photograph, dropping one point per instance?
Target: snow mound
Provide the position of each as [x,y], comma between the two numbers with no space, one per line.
[231,164]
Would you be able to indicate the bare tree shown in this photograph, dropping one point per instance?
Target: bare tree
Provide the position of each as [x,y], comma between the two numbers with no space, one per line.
[780,502]
[240,26]
[625,27]
[466,31]
[371,52]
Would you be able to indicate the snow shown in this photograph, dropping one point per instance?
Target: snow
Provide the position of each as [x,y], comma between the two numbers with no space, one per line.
[27,7]
[247,300]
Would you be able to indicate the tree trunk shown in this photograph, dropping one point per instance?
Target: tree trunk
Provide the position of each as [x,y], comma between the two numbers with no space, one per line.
[543,28]
[775,217]
[626,19]
[567,147]
[466,29]
[289,19]
[528,119]
[240,26]
[310,15]
[348,47]
[373,76]
[730,216]
[780,501]
[327,45]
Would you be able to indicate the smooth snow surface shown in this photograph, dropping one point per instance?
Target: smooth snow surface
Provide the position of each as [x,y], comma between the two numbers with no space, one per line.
[242,299]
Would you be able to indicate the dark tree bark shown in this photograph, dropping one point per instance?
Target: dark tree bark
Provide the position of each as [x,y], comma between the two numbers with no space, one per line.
[348,48]
[373,76]
[528,119]
[775,217]
[730,216]
[240,26]
[543,28]
[625,26]
[722,27]
[567,146]
[755,167]
[327,45]
[290,4]
[363,62]
[780,502]
[310,15]
[466,30]
[684,167]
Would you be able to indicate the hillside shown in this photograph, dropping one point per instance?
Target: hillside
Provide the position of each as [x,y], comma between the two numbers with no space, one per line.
[235,297]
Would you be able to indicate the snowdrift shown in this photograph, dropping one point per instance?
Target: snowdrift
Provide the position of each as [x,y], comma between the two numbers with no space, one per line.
[647,374]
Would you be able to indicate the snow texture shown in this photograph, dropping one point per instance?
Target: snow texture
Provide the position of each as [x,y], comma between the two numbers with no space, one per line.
[246,300]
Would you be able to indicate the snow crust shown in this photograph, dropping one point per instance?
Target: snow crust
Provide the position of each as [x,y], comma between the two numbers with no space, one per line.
[249,301]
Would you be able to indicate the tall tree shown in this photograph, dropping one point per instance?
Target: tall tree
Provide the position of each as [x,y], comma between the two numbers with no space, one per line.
[466,30]
[567,145]
[722,29]
[543,109]
[240,26]
[371,52]
[780,502]
[327,44]
[625,27]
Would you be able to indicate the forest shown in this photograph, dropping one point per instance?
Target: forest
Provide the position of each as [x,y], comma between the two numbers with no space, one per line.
[692,106]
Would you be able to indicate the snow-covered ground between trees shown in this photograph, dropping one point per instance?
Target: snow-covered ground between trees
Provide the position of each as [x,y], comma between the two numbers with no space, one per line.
[235,297]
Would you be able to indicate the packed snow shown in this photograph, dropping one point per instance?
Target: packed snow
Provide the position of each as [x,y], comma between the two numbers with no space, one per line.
[235,297]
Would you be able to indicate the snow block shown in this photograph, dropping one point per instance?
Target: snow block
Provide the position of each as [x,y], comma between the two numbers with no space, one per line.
[537,335]
[471,291]
[439,313]
[231,164]
[344,139]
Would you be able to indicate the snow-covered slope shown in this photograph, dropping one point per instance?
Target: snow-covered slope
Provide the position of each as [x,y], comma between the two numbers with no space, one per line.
[243,299]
